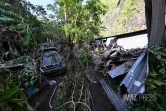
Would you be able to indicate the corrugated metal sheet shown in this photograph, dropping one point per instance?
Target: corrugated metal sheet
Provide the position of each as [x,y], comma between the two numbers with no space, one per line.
[121,69]
[135,79]
[118,103]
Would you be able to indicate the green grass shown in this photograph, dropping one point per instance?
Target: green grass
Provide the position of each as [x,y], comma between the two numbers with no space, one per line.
[112,5]
[127,11]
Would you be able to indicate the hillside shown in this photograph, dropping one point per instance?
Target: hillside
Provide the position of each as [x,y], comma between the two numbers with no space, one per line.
[123,16]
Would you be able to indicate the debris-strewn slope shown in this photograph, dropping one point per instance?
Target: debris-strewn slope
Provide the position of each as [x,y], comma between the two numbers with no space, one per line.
[124,16]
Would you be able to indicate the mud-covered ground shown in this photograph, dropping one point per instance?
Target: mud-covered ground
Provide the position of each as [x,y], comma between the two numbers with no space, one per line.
[99,102]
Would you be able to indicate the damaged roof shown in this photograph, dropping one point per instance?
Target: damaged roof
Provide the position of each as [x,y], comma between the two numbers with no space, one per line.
[135,79]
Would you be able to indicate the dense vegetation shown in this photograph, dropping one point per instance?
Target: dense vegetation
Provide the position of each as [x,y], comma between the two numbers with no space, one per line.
[21,32]
[19,35]
[123,16]
[23,26]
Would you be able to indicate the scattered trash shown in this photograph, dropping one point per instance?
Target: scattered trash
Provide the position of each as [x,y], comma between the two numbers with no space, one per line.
[119,59]
[52,82]
[32,91]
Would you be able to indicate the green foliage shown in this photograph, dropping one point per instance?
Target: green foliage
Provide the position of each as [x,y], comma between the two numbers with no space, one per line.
[85,56]
[54,29]
[122,16]
[19,27]
[10,55]
[19,31]
[112,5]
[159,58]
[155,85]
[25,80]
[30,39]
[156,82]
[12,25]
[82,22]
[77,24]
[15,85]
[128,10]
[7,15]
[12,97]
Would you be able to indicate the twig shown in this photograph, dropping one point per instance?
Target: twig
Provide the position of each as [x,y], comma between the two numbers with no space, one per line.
[73,91]
[84,105]
[81,93]
[64,104]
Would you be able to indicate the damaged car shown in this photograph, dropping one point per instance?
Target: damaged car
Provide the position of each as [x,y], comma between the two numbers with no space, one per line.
[50,62]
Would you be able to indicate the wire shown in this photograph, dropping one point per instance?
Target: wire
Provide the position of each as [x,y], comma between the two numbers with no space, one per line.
[50,105]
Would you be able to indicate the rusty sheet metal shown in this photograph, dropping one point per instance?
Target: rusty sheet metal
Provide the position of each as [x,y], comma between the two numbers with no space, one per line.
[121,69]
[135,79]
[118,103]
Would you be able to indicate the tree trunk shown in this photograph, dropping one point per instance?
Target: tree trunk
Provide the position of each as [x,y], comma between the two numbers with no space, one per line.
[155,17]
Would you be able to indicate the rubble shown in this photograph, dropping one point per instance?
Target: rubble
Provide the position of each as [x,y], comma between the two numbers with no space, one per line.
[107,53]
[117,60]
[116,55]
[121,69]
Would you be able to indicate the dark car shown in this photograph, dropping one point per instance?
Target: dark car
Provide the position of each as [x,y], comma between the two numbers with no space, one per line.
[50,61]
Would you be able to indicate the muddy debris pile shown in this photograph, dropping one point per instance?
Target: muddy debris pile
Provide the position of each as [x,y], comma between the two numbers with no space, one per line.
[129,64]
